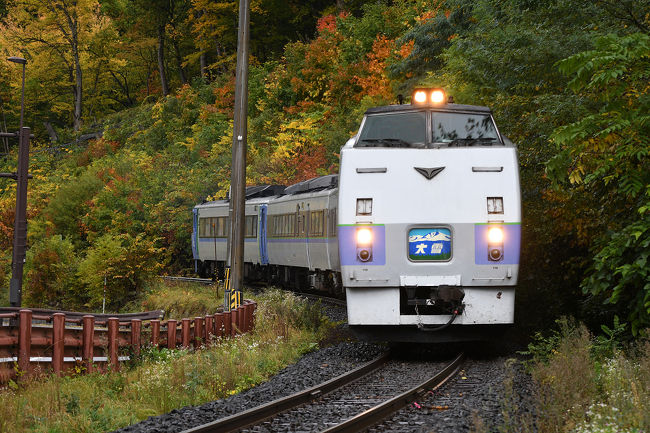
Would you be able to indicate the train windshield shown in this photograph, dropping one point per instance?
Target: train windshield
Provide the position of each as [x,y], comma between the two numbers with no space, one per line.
[409,129]
[394,130]
[461,129]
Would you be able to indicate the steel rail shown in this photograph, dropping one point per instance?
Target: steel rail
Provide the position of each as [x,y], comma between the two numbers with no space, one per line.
[378,413]
[335,301]
[260,413]
[188,279]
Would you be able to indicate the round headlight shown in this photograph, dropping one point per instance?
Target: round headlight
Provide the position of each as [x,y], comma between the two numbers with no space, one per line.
[495,254]
[364,255]
[495,235]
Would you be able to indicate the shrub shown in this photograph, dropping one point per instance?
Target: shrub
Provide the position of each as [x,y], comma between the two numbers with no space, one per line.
[120,263]
[50,268]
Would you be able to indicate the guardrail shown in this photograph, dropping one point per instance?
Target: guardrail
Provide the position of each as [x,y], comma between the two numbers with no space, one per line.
[33,343]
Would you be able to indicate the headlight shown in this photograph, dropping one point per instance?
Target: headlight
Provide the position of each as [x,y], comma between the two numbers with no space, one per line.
[495,244]
[420,97]
[364,236]
[429,96]
[437,96]
[495,235]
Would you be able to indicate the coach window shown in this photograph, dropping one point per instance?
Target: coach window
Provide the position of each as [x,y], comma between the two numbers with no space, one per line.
[222,227]
[316,223]
[274,225]
[251,226]
[332,224]
[291,225]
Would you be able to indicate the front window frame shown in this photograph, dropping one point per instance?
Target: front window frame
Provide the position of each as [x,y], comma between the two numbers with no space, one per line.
[429,113]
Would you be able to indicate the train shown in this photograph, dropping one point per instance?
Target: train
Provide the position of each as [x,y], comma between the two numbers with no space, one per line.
[420,231]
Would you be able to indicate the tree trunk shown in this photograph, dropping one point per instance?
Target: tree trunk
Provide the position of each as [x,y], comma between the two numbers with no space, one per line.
[204,66]
[179,62]
[161,60]
[221,53]
[51,132]
[78,88]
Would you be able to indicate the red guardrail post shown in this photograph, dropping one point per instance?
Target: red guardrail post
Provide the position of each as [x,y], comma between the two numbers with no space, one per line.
[235,322]
[58,343]
[171,334]
[88,346]
[185,333]
[113,326]
[155,332]
[24,339]
[241,319]
[136,336]
[249,317]
[218,324]
[209,328]
[253,308]
[198,332]
[227,324]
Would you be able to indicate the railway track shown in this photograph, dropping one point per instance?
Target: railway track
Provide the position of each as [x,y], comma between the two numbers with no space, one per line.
[351,402]
[188,279]
[327,299]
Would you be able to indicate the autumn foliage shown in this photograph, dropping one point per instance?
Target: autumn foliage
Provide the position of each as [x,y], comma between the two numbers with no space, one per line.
[567,81]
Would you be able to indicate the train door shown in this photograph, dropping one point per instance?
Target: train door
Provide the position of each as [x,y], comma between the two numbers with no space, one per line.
[305,216]
[264,254]
[195,234]
[195,239]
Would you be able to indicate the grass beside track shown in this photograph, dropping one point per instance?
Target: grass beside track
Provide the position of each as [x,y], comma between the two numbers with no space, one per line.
[583,384]
[286,327]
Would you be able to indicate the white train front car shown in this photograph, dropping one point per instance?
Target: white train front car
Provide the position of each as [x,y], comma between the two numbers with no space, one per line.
[429,222]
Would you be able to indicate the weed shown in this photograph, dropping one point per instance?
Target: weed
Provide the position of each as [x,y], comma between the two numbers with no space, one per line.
[588,384]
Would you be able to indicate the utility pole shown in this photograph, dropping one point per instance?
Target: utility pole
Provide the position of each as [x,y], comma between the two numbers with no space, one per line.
[20,222]
[238,175]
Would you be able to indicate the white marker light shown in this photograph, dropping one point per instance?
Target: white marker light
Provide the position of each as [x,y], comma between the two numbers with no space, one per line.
[364,236]
[420,97]
[437,96]
[495,235]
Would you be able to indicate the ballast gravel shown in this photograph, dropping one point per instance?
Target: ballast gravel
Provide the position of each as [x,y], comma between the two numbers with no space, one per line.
[309,371]
[489,394]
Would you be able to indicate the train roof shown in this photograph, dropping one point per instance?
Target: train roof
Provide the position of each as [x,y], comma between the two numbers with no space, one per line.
[311,185]
[254,194]
[461,108]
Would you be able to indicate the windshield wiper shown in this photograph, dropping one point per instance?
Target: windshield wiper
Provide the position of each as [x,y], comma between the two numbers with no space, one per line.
[387,142]
[471,141]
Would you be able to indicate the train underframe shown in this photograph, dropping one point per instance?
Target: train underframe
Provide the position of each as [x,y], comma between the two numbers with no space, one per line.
[289,277]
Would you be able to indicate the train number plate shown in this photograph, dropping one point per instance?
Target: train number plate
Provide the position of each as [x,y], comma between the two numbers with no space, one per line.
[429,244]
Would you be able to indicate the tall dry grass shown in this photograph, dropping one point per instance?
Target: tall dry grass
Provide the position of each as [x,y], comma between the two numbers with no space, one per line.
[590,385]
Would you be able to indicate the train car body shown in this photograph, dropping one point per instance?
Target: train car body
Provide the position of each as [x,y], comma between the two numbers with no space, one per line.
[211,225]
[429,223]
[302,229]
[421,230]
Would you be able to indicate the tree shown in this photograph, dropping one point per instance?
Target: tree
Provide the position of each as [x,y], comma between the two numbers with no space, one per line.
[604,157]
[55,36]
